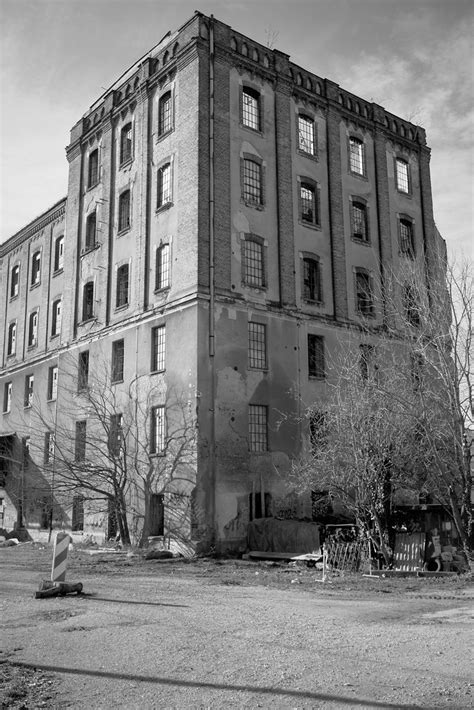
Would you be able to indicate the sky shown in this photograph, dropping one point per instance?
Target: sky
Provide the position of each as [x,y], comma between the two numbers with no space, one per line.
[414,57]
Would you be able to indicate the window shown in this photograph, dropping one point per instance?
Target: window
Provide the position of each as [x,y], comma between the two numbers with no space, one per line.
[36,268]
[364,293]
[316,364]
[258,435]
[251,108]
[53,373]
[356,156]
[259,508]
[158,430]
[29,387]
[93,169]
[416,370]
[124,211]
[158,343]
[80,441]
[162,267]
[15,281]
[7,397]
[164,185]
[405,231]
[58,254]
[308,204]
[253,263]
[411,305]
[56,318]
[318,431]
[83,371]
[257,345]
[311,280]
[126,144]
[367,361]
[359,222]
[33,329]
[165,115]
[11,344]
[116,434]
[48,447]
[77,522]
[88,301]
[157,514]
[306,135]
[118,354]
[91,230]
[122,286]
[252,182]
[402,175]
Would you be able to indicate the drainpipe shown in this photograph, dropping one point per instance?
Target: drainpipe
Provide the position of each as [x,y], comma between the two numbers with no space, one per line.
[212,433]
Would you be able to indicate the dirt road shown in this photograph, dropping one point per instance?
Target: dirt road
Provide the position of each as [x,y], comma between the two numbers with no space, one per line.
[150,635]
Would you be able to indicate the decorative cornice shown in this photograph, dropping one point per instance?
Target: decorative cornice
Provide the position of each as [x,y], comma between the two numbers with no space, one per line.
[39,223]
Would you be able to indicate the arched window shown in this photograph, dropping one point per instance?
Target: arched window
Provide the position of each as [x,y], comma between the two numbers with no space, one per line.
[165,114]
[311,286]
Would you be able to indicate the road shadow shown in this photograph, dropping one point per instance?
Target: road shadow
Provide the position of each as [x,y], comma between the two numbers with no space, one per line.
[92,596]
[264,690]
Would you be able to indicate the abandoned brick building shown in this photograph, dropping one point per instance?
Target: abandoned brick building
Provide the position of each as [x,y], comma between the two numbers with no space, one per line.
[229,217]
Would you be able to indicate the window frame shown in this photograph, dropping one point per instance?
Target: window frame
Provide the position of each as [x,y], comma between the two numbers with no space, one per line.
[58,263]
[53,379]
[7,397]
[258,428]
[88,301]
[257,356]
[252,181]
[115,439]
[411,305]
[15,281]
[124,211]
[311,261]
[56,317]
[316,350]
[300,140]
[367,310]
[49,446]
[122,286]
[80,440]
[33,329]
[158,430]
[401,179]
[93,168]
[11,338]
[165,118]
[311,186]
[158,348]
[246,116]
[126,144]
[117,363]
[29,391]
[90,236]
[35,277]
[362,159]
[162,267]
[406,242]
[164,194]
[359,204]
[249,279]
[83,370]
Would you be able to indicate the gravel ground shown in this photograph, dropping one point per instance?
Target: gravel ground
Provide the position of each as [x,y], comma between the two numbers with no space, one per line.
[229,634]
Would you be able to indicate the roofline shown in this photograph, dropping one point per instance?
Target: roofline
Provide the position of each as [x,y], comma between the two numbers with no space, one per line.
[35,225]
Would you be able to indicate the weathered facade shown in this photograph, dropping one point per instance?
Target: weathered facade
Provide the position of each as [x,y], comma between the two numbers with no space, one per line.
[249,209]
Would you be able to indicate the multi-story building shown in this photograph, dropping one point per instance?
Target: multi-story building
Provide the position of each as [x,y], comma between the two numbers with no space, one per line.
[230,216]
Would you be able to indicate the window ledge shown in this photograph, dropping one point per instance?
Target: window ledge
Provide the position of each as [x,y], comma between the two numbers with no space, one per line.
[362,242]
[57,272]
[88,248]
[257,131]
[125,163]
[258,369]
[53,336]
[310,225]
[27,406]
[158,372]
[7,412]
[32,347]
[157,454]
[161,290]
[254,205]
[305,154]
[165,134]
[91,187]
[51,399]
[116,382]
[11,354]
[320,378]
[405,194]
[91,319]
[35,285]
[124,230]
[164,207]
[253,287]
[13,298]
[359,175]
[312,302]
[122,307]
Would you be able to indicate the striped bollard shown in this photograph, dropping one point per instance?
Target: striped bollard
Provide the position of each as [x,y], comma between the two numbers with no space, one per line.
[61,547]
